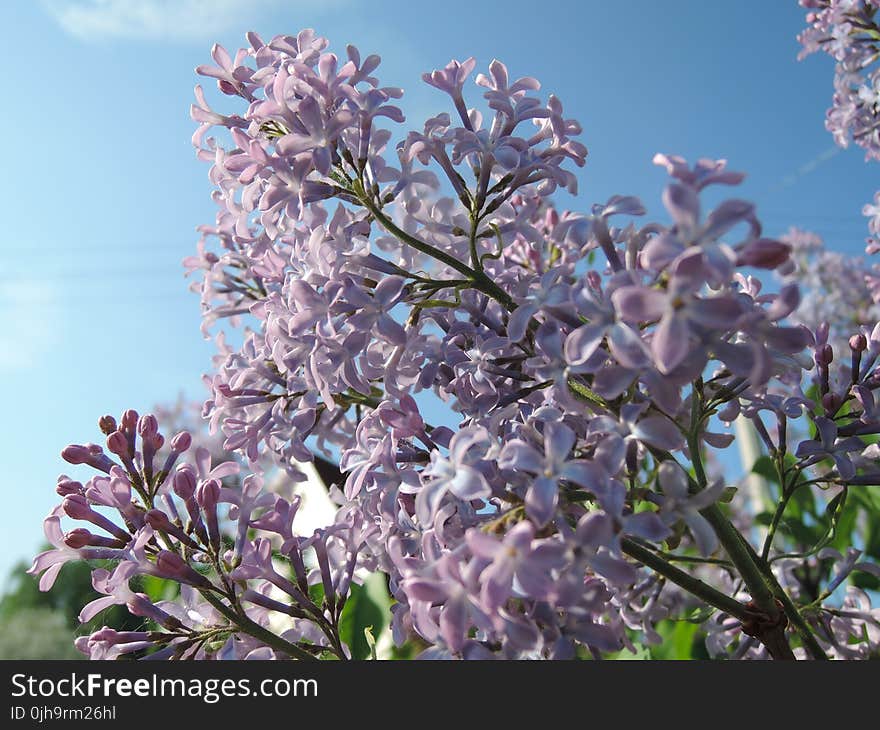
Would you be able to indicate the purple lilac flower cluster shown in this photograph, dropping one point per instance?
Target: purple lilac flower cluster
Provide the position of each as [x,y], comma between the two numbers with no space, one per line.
[587,359]
[245,576]
[843,290]
[847,31]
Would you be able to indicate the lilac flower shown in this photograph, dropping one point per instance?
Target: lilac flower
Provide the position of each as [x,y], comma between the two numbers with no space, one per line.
[847,31]
[653,430]
[549,468]
[49,563]
[459,609]
[828,445]
[704,172]
[360,276]
[678,313]
[518,565]
[678,504]
[451,80]
[457,474]
[624,343]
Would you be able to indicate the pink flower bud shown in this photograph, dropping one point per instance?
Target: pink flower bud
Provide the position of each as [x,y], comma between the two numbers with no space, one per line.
[171,565]
[106,635]
[148,426]
[858,342]
[117,443]
[80,537]
[158,520]
[208,494]
[75,454]
[764,253]
[184,482]
[830,402]
[67,486]
[107,424]
[129,420]
[140,605]
[90,454]
[76,506]
[824,355]
[181,442]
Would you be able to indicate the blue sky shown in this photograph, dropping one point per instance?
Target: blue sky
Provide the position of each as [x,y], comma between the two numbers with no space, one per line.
[101,191]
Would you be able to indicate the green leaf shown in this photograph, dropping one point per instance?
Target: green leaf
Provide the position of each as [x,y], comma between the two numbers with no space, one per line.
[765,467]
[316,593]
[641,653]
[843,523]
[159,589]
[679,639]
[727,495]
[368,608]
[802,502]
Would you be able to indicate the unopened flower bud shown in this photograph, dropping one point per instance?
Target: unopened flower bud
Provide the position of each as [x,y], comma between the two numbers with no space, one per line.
[77,507]
[158,520]
[858,343]
[831,402]
[148,426]
[184,482]
[129,420]
[90,454]
[171,565]
[80,538]
[208,494]
[824,355]
[117,443]
[107,424]
[75,454]
[141,605]
[181,442]
[113,637]
[764,253]
[67,486]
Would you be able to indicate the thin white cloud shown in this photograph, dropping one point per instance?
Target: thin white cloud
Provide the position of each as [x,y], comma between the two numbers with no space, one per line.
[164,20]
[806,168]
[27,329]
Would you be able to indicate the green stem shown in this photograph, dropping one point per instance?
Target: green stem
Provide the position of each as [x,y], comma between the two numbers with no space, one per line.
[674,558]
[739,551]
[774,526]
[791,611]
[480,281]
[734,544]
[476,264]
[255,630]
[693,585]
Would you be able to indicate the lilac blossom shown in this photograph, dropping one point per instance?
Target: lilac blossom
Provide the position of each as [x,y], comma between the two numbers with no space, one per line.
[354,273]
